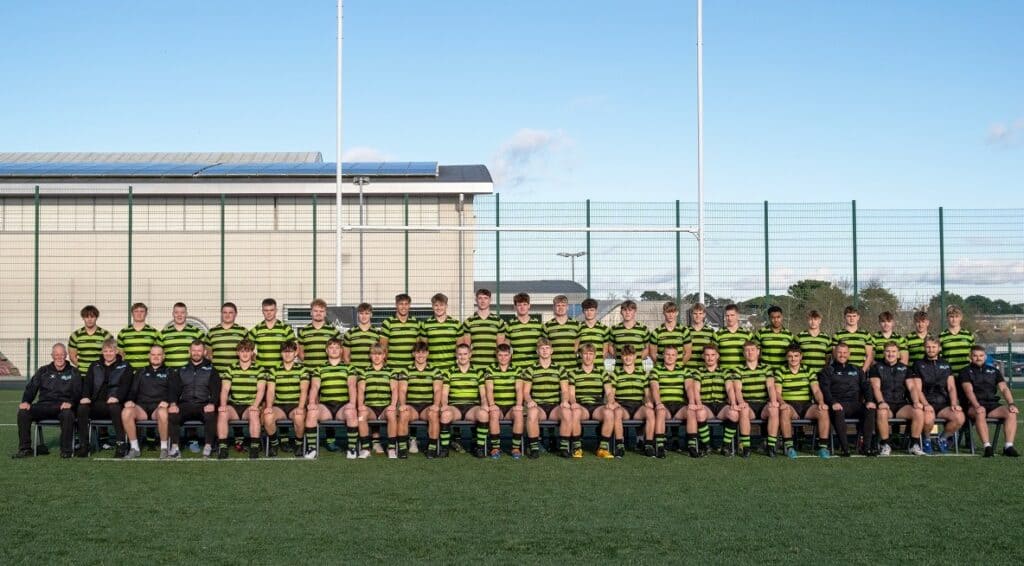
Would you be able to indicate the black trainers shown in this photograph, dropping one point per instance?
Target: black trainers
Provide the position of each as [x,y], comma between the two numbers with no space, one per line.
[533,454]
[222,453]
[771,452]
[42,450]
[660,453]
[565,453]
[726,451]
[745,453]
[272,451]
[649,450]
[988,452]
[23,453]
[479,452]
[254,452]
[120,450]
[82,452]
[1010,451]
[66,454]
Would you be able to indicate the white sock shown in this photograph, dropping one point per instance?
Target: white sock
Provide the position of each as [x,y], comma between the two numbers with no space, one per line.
[174,447]
[988,444]
[1008,445]
[163,444]
[135,444]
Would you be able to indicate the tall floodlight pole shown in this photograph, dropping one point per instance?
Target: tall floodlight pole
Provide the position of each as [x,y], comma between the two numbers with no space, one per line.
[700,151]
[337,173]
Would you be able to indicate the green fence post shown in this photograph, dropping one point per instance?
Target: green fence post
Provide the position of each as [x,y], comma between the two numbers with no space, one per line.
[767,284]
[405,205]
[679,260]
[223,245]
[314,245]
[35,322]
[497,251]
[1009,358]
[856,291]
[131,229]
[29,370]
[942,268]
[589,288]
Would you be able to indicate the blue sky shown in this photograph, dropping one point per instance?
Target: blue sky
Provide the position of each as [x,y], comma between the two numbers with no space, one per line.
[906,104]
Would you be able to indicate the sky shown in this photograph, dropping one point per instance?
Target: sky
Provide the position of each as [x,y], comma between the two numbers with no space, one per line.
[908,104]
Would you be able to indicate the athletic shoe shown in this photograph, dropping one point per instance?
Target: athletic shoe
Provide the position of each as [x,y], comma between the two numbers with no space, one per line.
[694,453]
[377,448]
[299,453]
[82,452]
[1010,451]
[533,454]
[42,450]
[885,451]
[648,450]
[254,452]
[443,453]
[392,454]
[272,451]
[565,453]
[351,454]
[24,453]
[479,452]
[332,447]
[943,445]
[988,452]
[207,450]
[745,453]
[364,454]
[620,451]
[403,454]
[288,445]
[457,447]
[193,447]
[927,446]
[726,451]
[430,454]
[659,453]
[134,453]
[239,448]
[222,453]
[311,455]
[163,454]
[915,450]
[495,453]
[174,453]
[120,449]
[604,454]
[577,453]
[823,453]
[517,453]
[66,454]
[770,452]
[105,445]
[791,453]
[414,447]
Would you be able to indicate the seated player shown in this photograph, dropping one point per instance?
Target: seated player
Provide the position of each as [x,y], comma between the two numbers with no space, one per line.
[58,386]
[148,397]
[100,400]
[888,379]
[797,386]
[844,388]
[586,388]
[982,384]
[287,391]
[242,390]
[709,400]
[668,393]
[194,393]
[377,399]
[628,391]
[332,395]
[937,394]
[754,389]
[504,401]
[420,384]
[463,396]
[546,396]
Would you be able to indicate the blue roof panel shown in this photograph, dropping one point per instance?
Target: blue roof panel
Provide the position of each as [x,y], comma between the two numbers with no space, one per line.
[120,170]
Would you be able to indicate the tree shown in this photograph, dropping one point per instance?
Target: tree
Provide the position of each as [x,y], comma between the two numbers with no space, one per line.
[655,296]
[874,300]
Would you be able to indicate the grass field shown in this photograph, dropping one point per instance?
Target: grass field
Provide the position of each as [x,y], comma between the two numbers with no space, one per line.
[635,510]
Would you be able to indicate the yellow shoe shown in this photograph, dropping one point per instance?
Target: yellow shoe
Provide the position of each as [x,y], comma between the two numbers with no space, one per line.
[602,453]
[577,453]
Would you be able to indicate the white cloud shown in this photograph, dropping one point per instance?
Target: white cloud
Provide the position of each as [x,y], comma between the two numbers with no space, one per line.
[531,155]
[364,154]
[1006,134]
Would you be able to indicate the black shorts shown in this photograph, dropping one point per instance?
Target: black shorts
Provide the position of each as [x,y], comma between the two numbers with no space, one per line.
[192,412]
[333,407]
[631,407]
[377,412]
[505,410]
[287,408]
[800,408]
[149,408]
[989,407]
[715,408]
[673,407]
[939,407]
[463,408]
[547,408]
[757,408]
[591,408]
[240,410]
[418,407]
[895,407]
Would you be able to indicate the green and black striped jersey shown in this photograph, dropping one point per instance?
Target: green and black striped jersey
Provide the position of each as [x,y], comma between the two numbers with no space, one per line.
[563,341]
[858,341]
[662,337]
[314,343]
[135,344]
[177,342]
[671,383]
[637,336]
[773,346]
[288,382]
[523,336]
[441,338]
[358,343]
[463,386]
[796,387]
[956,348]
[223,342]
[730,346]
[420,383]
[815,349]
[754,382]
[244,382]
[268,342]
[483,335]
[589,385]
[880,341]
[376,385]
[596,335]
[88,347]
[628,387]
[401,337]
[545,382]
[503,384]
[915,347]
[699,339]
[333,383]
[712,384]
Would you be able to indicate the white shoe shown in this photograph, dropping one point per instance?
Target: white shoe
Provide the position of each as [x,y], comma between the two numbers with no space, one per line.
[377,448]
[311,455]
[886,450]
[132,454]
[174,453]
[392,454]
[351,455]
[364,454]
[414,448]
[915,450]
[207,450]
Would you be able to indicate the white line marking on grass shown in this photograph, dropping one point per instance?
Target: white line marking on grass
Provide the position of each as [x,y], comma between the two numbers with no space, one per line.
[200,460]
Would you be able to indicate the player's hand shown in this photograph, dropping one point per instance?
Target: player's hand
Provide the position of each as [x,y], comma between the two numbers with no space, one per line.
[172,409]
[268,410]
[883,405]
[65,406]
[129,404]
[823,407]
[565,405]
[692,408]
[837,407]
[111,400]
[918,406]
[531,405]
[162,405]
[24,406]
[85,401]
[209,408]
[222,409]
[957,408]
[311,406]
[870,405]
[1013,409]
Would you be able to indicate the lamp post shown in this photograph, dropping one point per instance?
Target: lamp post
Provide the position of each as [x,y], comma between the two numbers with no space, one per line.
[361,182]
[572,257]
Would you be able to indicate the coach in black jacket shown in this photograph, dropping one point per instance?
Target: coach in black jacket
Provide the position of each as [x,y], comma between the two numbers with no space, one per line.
[195,390]
[844,386]
[100,395]
[58,386]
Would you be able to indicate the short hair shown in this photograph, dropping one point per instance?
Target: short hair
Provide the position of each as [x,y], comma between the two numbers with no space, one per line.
[364,307]
[245,345]
[403,298]
[197,342]
[89,310]
[751,343]
[698,307]
[669,306]
[890,343]
[229,305]
[814,314]
[628,304]
[268,302]
[668,347]
[289,346]
[110,342]
[732,307]
[318,303]
[774,309]
[841,344]
[543,341]
[378,348]
[180,305]
[521,298]
[921,316]
[711,347]
[978,348]
[628,349]
[794,347]
[953,309]
[850,310]
[139,306]
[463,346]
[931,338]
[886,316]
[505,347]
[420,346]
[560,299]
[59,345]
[588,303]
[484,292]
[439,298]
[587,347]
[333,341]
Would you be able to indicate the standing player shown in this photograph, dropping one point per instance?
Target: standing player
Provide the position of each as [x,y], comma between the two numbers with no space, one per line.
[268,336]
[956,341]
[463,396]
[774,339]
[177,337]
[442,333]
[100,399]
[593,331]
[937,393]
[708,400]
[700,335]
[668,393]
[982,384]
[224,338]
[888,378]
[135,340]
[731,338]
[314,336]
[483,330]
[670,334]
[586,385]
[815,345]
[886,333]
[522,333]
[546,396]
[194,394]
[859,342]
[505,401]
[332,395]
[419,397]
[85,344]
[287,391]
[844,388]
[377,398]
[628,391]
[242,391]
[629,332]
[360,338]
[915,340]
[400,332]
[58,385]
[754,392]
[147,397]
[564,334]
[797,387]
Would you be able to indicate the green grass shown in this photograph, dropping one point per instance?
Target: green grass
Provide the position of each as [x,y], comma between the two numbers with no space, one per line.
[635,510]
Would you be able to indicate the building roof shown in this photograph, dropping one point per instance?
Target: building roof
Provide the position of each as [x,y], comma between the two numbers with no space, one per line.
[545,286]
[208,158]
